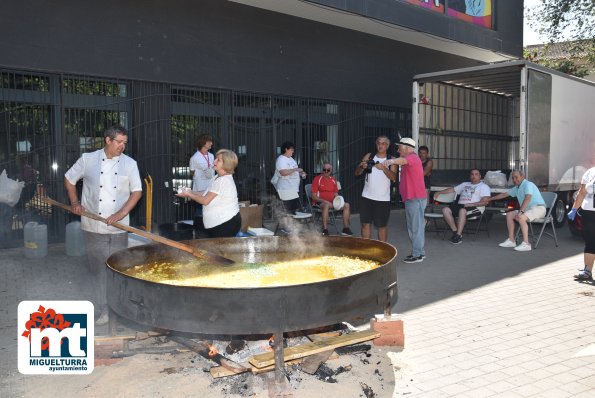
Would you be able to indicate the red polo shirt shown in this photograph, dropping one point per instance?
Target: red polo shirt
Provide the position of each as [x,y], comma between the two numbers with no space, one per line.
[325,187]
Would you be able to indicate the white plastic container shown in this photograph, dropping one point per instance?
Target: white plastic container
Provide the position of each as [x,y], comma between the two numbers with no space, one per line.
[75,240]
[36,240]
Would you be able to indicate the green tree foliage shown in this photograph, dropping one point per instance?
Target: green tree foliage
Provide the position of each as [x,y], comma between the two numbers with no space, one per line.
[571,21]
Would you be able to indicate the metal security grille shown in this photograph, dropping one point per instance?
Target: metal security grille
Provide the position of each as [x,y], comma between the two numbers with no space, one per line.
[48,120]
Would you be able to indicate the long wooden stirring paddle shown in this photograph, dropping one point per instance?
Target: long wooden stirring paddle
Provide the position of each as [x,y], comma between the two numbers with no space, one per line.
[203,254]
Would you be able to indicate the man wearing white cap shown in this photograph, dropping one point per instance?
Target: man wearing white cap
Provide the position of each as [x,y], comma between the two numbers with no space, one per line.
[325,191]
[413,193]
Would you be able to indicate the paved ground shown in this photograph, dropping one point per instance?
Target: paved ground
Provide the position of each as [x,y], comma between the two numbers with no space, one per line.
[479,320]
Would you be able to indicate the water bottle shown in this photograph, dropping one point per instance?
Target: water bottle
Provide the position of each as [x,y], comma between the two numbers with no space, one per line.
[36,240]
[75,240]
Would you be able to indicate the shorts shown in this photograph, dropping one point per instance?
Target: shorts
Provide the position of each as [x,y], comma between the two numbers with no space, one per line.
[471,211]
[535,212]
[374,211]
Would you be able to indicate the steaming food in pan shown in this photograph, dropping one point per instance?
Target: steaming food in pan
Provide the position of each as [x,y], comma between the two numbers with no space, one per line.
[275,271]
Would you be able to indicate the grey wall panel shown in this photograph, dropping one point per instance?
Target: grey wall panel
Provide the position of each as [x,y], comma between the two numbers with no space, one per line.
[212,43]
[506,37]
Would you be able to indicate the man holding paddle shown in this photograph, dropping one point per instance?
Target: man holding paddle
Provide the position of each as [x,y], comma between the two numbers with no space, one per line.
[111,188]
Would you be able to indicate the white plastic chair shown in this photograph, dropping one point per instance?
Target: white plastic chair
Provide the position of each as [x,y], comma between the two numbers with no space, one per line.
[298,216]
[443,199]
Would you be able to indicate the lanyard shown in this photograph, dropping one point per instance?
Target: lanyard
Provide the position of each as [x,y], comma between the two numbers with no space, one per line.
[206,158]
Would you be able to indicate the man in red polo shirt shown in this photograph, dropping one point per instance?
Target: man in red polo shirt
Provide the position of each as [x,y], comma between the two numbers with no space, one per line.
[324,190]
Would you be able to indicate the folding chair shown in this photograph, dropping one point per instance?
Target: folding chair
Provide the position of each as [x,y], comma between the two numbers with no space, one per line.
[550,199]
[317,211]
[441,199]
[481,218]
[298,216]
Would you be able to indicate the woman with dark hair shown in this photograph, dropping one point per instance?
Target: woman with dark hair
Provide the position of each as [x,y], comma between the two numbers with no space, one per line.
[221,211]
[584,200]
[288,185]
[202,171]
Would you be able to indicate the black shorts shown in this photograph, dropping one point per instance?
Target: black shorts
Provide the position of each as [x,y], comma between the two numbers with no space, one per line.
[374,211]
[588,218]
[471,211]
[228,229]
[291,206]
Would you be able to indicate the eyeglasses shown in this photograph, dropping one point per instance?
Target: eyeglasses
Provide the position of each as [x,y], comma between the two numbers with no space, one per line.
[326,170]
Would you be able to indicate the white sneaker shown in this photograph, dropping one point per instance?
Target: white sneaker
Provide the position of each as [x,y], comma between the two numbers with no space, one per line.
[103,319]
[523,247]
[507,243]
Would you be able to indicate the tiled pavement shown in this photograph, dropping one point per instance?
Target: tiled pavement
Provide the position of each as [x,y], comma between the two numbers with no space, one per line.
[479,320]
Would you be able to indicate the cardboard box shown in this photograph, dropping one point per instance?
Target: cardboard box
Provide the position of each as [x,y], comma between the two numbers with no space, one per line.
[251,217]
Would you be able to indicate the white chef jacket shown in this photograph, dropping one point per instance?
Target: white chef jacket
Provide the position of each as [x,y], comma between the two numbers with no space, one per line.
[107,184]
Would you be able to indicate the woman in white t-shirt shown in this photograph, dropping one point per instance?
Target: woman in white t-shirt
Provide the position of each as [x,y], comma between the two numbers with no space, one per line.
[221,211]
[288,184]
[584,200]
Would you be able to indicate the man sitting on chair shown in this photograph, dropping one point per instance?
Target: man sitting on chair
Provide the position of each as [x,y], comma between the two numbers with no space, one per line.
[472,195]
[531,207]
[324,191]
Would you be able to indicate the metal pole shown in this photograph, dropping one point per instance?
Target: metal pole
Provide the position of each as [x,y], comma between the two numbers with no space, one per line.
[279,360]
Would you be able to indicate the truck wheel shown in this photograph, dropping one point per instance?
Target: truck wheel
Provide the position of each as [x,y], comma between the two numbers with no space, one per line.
[559,213]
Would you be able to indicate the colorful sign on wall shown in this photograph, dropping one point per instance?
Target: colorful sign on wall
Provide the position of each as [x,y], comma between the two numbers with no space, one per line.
[478,12]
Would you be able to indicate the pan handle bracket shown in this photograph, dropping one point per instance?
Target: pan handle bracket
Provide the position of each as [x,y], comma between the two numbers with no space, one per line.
[391,296]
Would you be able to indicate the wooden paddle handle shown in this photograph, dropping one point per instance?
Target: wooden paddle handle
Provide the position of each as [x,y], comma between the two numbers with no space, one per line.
[140,232]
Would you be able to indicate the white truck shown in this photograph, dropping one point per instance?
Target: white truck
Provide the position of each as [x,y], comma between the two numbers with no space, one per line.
[506,116]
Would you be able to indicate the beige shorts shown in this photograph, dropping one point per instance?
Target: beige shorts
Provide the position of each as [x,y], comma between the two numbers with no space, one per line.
[535,212]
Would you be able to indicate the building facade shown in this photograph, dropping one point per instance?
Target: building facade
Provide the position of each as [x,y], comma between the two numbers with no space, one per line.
[327,75]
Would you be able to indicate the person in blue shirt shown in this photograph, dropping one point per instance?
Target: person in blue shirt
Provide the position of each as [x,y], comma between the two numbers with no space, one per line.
[531,207]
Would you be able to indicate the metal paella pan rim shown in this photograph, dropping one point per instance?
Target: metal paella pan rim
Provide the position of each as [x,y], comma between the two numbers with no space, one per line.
[254,310]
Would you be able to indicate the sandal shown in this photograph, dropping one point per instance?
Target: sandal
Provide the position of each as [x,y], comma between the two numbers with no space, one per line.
[584,275]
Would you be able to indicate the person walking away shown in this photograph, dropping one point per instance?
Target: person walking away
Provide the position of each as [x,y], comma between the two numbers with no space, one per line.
[202,172]
[324,191]
[375,199]
[221,210]
[531,207]
[584,201]
[111,188]
[414,196]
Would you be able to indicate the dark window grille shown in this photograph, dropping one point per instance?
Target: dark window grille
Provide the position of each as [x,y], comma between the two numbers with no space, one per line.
[63,116]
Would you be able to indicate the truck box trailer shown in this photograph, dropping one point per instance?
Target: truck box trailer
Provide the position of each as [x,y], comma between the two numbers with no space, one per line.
[506,116]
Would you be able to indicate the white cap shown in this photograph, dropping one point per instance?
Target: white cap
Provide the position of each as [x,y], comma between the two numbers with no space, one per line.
[407,141]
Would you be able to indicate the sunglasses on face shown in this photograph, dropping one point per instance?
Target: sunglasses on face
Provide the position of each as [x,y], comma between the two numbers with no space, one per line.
[326,170]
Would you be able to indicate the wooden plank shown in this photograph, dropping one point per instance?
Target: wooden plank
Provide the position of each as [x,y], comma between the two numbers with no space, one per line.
[221,371]
[311,363]
[300,351]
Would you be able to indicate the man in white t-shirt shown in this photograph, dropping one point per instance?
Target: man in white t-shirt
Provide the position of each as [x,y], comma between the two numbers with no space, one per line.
[375,200]
[473,197]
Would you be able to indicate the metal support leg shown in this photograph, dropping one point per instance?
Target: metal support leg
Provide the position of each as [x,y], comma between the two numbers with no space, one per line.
[279,360]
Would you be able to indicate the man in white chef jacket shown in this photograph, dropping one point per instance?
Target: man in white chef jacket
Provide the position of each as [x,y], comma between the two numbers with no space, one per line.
[111,188]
